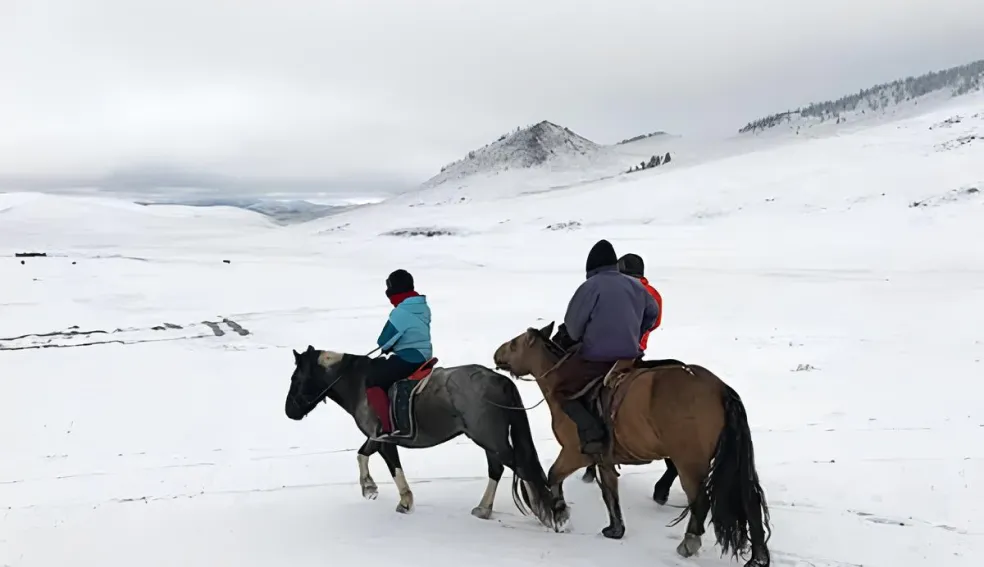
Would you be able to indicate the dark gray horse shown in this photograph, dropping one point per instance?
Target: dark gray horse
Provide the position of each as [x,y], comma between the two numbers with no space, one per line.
[472,400]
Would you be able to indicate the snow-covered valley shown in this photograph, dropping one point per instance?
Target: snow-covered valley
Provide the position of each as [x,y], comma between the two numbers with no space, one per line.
[835,282]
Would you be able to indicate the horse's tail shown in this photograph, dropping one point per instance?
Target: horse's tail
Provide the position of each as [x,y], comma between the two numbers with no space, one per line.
[527,472]
[525,458]
[739,513]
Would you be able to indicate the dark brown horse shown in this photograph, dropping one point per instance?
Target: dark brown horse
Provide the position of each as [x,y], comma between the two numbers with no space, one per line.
[681,412]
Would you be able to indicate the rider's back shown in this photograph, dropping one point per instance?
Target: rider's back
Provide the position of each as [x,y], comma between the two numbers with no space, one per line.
[609,311]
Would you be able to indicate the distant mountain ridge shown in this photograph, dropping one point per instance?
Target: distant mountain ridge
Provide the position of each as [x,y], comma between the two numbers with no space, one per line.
[641,137]
[549,146]
[954,81]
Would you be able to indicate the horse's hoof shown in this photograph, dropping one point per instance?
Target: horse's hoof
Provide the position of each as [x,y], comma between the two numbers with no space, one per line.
[614,532]
[370,492]
[589,476]
[406,503]
[558,518]
[562,521]
[689,546]
[482,513]
[661,496]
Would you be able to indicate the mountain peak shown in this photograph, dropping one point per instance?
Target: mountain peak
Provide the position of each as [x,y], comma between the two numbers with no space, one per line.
[522,149]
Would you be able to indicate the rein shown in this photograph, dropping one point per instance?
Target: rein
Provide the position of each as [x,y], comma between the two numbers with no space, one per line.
[322,393]
[517,408]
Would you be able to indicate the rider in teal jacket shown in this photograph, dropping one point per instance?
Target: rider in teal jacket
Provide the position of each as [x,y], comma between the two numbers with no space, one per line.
[406,335]
[407,331]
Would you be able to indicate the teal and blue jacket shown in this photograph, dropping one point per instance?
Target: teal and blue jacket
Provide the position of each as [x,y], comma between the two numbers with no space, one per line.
[407,331]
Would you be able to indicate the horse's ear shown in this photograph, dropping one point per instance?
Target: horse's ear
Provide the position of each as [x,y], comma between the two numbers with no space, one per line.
[548,330]
[297,355]
[310,349]
[531,336]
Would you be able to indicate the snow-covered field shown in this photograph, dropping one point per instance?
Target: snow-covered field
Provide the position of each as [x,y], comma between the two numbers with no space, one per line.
[847,317]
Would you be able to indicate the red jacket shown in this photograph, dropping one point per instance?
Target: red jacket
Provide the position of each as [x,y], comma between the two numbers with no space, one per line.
[659,318]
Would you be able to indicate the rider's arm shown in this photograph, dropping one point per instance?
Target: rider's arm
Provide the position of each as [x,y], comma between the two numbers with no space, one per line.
[389,335]
[650,314]
[580,308]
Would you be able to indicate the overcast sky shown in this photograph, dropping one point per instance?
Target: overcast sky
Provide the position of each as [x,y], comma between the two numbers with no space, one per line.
[382,93]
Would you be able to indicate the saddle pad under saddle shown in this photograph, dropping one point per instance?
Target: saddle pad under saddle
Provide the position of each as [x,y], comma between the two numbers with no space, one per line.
[402,396]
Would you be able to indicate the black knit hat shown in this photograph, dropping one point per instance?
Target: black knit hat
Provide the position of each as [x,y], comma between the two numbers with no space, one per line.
[632,265]
[399,281]
[602,254]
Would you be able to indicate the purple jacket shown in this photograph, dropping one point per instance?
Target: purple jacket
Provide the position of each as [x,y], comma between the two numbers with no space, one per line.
[608,315]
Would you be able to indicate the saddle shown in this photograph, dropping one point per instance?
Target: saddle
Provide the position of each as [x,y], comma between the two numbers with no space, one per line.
[402,395]
[606,393]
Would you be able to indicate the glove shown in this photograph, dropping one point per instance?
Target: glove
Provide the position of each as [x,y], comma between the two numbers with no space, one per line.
[563,338]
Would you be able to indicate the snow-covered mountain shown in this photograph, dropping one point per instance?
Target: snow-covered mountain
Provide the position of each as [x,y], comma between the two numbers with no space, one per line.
[899,98]
[524,148]
[516,163]
[520,162]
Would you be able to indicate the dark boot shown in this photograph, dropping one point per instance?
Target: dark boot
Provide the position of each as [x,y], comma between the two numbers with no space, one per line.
[589,428]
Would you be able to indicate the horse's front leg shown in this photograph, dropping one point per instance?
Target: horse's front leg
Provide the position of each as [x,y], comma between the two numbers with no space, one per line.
[496,468]
[661,490]
[590,475]
[369,489]
[608,480]
[392,458]
[568,461]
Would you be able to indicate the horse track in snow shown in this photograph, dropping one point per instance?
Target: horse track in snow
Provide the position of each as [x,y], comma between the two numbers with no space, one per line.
[75,337]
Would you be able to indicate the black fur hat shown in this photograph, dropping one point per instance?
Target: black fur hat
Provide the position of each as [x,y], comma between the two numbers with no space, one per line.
[602,254]
[399,281]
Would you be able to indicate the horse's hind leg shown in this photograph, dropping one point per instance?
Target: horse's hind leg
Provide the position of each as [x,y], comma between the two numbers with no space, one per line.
[392,458]
[496,468]
[661,490]
[369,489]
[692,480]
[608,482]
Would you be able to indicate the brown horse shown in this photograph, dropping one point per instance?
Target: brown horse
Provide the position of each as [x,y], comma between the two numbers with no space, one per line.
[681,412]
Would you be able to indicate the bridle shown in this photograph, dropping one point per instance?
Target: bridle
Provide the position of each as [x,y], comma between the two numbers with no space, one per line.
[551,346]
[322,395]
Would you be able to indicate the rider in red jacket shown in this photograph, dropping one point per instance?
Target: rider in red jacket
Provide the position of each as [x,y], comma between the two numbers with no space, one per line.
[632,265]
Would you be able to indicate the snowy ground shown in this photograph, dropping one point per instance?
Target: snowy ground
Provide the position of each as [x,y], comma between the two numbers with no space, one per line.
[168,445]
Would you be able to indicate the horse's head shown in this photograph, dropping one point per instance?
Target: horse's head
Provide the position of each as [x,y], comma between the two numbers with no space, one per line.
[315,372]
[519,355]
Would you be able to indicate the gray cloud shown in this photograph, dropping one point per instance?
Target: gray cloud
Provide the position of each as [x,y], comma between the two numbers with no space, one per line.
[383,93]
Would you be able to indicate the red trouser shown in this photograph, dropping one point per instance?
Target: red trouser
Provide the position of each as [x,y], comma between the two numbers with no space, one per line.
[383,373]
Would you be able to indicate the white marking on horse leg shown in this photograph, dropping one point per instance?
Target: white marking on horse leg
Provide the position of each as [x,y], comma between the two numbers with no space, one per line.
[369,489]
[689,546]
[484,508]
[406,497]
